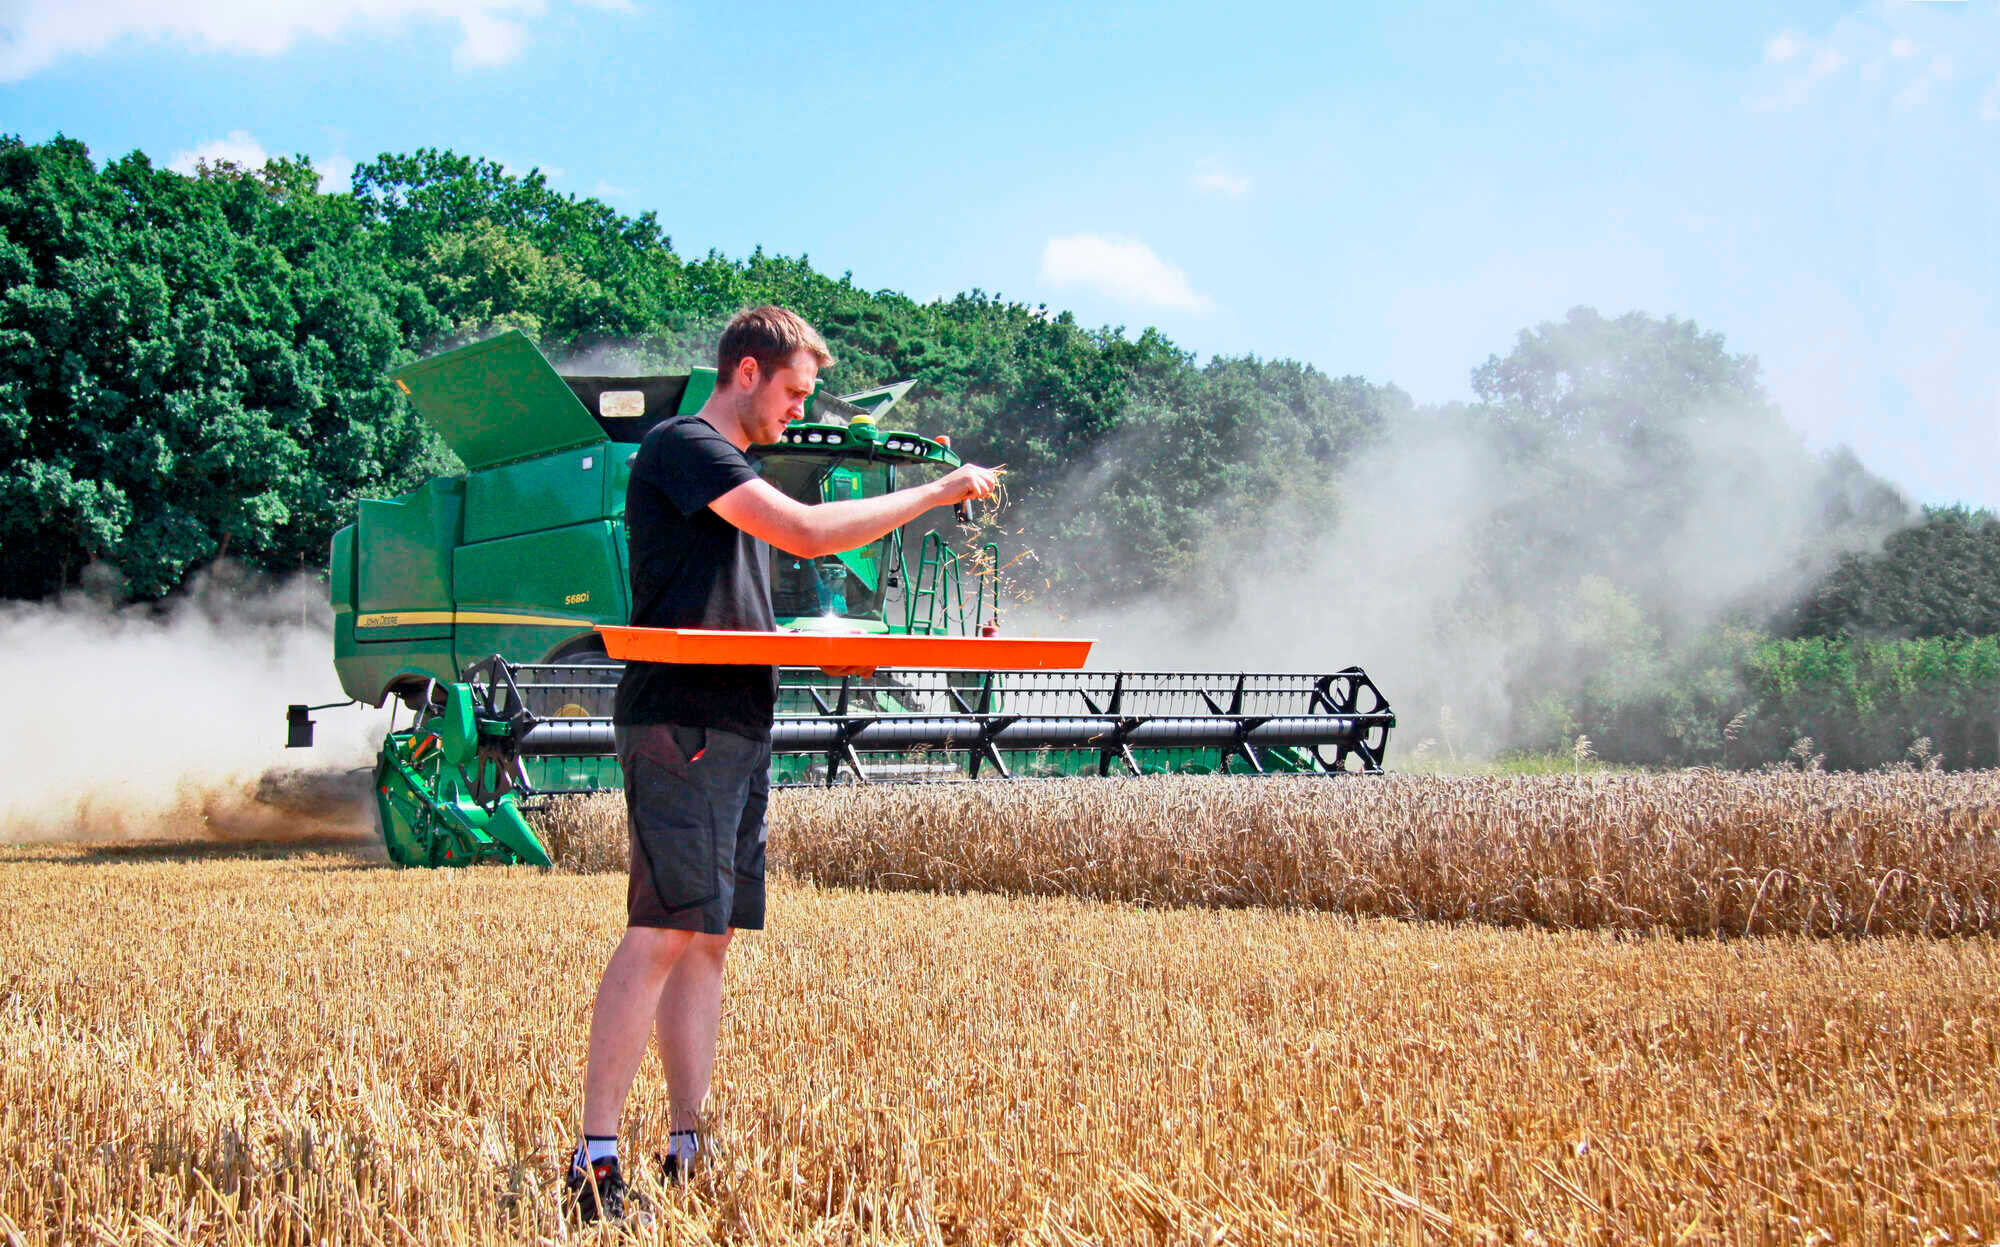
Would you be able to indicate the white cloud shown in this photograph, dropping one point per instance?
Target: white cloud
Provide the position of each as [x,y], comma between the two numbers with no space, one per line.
[35,34]
[1919,90]
[336,173]
[238,148]
[1217,181]
[487,41]
[1123,268]
[1886,45]
[1785,50]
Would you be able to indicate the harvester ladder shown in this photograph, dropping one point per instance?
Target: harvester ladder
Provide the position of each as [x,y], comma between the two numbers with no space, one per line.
[936,585]
[939,590]
[985,611]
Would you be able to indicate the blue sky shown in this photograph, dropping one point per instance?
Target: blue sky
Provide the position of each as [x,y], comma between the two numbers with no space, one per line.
[1389,190]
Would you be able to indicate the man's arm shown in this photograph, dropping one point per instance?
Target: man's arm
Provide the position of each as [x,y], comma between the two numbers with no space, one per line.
[762,510]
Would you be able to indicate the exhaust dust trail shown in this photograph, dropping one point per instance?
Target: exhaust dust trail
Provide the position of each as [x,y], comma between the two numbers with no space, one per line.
[167,721]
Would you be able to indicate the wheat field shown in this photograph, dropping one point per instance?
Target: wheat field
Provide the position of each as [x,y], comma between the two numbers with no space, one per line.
[1691,852]
[293,1044]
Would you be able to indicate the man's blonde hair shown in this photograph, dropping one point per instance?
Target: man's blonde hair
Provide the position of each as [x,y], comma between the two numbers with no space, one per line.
[771,336]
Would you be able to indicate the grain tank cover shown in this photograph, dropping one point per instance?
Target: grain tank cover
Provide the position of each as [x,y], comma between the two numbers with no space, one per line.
[498,400]
[628,407]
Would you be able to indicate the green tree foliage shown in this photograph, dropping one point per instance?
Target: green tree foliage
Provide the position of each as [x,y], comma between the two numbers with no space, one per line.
[1940,578]
[490,250]
[195,366]
[1738,698]
[1867,703]
[1241,455]
[1633,381]
[189,367]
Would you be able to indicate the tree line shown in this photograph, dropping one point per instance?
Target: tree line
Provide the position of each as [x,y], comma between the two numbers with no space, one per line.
[194,368]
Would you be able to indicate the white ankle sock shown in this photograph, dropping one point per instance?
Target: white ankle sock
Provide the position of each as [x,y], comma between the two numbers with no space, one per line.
[683,1144]
[595,1148]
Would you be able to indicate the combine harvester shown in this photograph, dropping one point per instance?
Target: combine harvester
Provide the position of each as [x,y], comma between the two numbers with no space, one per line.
[476,602]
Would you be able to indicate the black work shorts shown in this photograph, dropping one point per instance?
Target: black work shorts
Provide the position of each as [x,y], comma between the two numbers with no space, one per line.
[694,801]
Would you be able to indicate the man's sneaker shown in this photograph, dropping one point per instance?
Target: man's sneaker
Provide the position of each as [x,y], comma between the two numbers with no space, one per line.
[675,1170]
[597,1193]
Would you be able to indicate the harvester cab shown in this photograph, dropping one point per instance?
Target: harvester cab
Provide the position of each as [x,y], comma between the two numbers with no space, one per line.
[474,601]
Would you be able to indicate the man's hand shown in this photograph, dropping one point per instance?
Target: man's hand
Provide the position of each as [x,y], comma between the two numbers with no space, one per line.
[971,481]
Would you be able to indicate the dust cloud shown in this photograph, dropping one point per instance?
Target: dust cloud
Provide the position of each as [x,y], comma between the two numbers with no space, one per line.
[167,721]
[1479,589]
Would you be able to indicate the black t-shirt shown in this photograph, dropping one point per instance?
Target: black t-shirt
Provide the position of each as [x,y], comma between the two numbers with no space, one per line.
[693,569]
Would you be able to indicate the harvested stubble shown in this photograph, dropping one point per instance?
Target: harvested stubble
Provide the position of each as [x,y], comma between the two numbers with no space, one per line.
[222,1050]
[1692,852]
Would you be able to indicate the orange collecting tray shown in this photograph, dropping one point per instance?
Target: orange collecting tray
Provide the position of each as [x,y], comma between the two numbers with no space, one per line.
[841,650]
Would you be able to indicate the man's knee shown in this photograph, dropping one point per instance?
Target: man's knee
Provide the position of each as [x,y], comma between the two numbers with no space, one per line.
[710,947]
[658,946]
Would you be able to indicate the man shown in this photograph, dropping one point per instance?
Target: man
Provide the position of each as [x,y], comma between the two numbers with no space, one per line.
[695,741]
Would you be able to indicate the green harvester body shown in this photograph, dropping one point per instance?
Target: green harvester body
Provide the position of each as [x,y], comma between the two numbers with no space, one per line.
[525,554]
[509,568]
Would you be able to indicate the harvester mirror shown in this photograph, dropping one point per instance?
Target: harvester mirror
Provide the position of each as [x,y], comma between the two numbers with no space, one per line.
[299,724]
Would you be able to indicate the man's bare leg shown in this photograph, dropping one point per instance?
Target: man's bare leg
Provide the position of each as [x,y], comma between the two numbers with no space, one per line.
[628,998]
[689,1014]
